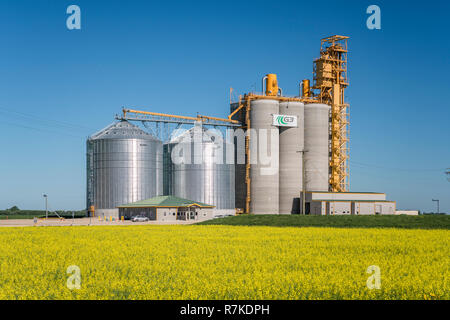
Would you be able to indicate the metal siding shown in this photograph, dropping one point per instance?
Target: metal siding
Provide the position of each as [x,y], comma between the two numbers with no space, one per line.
[240,186]
[348,196]
[89,174]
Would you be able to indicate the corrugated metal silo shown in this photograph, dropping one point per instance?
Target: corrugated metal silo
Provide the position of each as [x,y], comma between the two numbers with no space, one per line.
[291,145]
[124,165]
[317,146]
[199,171]
[264,182]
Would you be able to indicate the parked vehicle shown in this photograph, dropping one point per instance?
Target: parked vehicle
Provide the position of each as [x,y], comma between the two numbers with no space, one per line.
[139,219]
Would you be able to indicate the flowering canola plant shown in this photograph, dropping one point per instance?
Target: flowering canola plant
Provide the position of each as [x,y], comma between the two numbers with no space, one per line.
[223,262]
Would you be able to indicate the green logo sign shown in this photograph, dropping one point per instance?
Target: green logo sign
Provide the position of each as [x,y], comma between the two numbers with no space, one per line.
[281,120]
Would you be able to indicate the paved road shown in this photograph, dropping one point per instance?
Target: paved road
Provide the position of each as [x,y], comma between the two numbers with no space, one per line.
[80,222]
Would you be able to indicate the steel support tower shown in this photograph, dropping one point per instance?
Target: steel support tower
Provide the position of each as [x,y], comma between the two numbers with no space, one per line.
[330,82]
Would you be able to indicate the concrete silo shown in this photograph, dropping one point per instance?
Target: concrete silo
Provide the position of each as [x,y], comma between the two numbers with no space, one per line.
[196,168]
[124,165]
[264,187]
[317,147]
[291,158]
[299,149]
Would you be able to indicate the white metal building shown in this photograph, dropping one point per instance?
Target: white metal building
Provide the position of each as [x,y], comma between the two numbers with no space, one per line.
[407,212]
[354,203]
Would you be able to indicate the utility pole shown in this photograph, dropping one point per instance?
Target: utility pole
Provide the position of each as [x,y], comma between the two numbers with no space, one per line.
[303,182]
[437,204]
[46,206]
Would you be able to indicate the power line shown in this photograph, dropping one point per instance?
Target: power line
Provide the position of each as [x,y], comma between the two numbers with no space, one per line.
[392,168]
[40,129]
[56,124]
[51,121]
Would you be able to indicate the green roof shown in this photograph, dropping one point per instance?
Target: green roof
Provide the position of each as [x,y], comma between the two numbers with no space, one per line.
[165,201]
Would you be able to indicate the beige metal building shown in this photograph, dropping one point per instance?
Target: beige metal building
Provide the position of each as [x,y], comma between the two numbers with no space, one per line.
[407,212]
[354,203]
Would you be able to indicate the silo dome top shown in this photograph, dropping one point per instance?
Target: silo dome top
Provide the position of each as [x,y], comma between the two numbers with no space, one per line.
[122,130]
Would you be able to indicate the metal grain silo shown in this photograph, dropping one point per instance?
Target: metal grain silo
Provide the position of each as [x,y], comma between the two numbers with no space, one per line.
[197,169]
[317,146]
[124,165]
[291,157]
[264,188]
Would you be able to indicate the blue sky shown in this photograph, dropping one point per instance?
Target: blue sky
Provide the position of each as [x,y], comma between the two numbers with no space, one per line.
[59,86]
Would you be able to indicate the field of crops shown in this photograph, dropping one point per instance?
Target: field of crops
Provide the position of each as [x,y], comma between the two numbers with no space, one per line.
[336,221]
[222,262]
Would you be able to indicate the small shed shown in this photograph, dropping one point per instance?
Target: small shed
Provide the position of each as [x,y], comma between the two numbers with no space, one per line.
[167,208]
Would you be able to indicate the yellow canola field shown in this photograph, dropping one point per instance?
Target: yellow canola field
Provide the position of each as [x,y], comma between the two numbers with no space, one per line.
[222,262]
